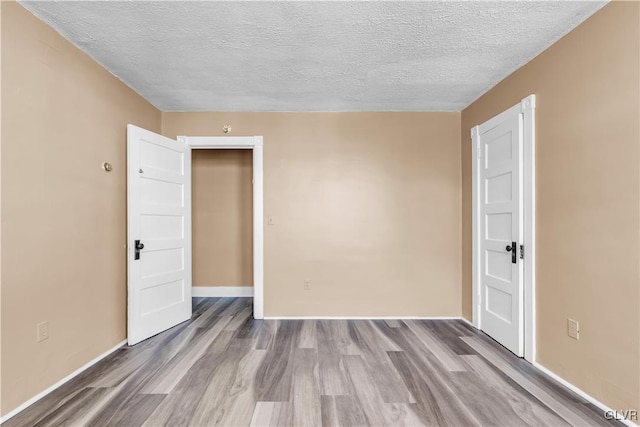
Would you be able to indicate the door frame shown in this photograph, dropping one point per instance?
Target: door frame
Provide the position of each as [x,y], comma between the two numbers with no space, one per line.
[526,107]
[255,144]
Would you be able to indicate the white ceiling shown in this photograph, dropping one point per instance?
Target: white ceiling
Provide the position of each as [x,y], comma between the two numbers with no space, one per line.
[312,56]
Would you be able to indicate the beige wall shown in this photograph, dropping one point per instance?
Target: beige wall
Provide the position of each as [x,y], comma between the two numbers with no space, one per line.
[63,218]
[222,217]
[588,200]
[365,205]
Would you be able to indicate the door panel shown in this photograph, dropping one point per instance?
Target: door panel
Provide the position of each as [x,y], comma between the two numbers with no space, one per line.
[501,222]
[159,216]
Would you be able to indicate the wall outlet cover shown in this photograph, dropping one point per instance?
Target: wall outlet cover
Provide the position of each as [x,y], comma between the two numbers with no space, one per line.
[573,329]
[42,331]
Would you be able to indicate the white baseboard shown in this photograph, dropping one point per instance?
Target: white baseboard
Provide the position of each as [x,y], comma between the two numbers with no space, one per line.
[358,318]
[222,291]
[75,373]
[571,387]
[228,290]
[468,322]
[580,393]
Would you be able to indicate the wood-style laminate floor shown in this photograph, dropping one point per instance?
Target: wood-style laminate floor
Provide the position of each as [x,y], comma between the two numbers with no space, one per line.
[224,368]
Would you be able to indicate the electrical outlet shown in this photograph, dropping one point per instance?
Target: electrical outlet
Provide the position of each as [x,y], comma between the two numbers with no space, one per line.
[573,329]
[43,331]
[307,285]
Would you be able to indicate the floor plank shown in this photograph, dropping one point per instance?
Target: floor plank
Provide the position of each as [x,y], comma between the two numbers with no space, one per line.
[306,391]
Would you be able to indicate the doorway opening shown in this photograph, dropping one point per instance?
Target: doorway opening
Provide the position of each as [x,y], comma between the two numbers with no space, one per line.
[503,205]
[222,223]
[252,146]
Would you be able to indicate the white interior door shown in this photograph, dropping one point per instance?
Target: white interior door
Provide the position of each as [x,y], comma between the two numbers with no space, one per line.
[501,232]
[158,233]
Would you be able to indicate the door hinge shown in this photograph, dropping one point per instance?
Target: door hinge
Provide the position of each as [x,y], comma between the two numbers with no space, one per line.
[521,251]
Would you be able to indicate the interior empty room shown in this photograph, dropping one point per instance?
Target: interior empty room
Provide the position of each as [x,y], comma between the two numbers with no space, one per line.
[340,213]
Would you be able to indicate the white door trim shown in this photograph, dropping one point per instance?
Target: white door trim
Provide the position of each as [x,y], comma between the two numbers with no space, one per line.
[222,291]
[527,108]
[245,143]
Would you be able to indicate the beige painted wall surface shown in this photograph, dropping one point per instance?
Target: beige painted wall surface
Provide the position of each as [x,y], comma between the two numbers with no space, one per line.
[63,218]
[222,216]
[588,200]
[366,206]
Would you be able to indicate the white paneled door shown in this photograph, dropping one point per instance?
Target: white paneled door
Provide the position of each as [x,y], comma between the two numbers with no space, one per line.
[158,233]
[500,206]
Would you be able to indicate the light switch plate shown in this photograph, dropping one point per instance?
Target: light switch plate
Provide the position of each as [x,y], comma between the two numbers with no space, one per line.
[43,331]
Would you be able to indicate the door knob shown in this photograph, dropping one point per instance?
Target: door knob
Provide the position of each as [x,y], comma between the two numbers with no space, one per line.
[508,248]
[138,247]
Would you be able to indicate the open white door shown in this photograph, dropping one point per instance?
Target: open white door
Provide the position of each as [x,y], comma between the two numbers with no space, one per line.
[499,154]
[158,233]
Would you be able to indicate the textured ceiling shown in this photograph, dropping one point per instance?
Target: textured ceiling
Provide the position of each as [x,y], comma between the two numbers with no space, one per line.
[312,56]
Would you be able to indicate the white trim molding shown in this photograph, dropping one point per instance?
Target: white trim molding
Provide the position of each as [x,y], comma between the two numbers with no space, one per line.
[475,228]
[581,393]
[221,291]
[526,107]
[69,377]
[572,387]
[361,318]
[222,142]
[254,143]
[468,322]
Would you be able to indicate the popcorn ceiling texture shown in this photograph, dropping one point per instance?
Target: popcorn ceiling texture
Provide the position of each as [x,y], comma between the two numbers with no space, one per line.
[312,56]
